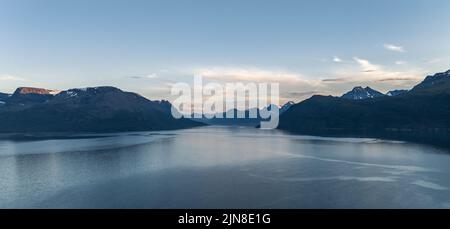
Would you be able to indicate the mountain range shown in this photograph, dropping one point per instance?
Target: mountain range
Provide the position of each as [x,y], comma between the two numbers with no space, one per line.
[420,114]
[358,93]
[245,121]
[95,109]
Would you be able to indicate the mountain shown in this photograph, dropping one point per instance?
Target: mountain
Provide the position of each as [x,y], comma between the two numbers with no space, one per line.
[437,83]
[358,93]
[30,95]
[96,109]
[422,114]
[3,98]
[246,121]
[396,92]
[286,106]
[233,120]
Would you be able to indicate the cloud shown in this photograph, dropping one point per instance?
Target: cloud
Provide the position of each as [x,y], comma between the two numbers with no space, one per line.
[366,66]
[365,71]
[288,81]
[394,48]
[336,80]
[152,76]
[10,78]
[398,79]
[337,59]
[296,86]
[400,62]
[248,74]
[302,93]
[432,61]
[135,77]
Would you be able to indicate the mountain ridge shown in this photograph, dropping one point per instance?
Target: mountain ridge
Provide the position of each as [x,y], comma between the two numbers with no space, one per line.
[95,109]
[246,121]
[408,116]
[359,93]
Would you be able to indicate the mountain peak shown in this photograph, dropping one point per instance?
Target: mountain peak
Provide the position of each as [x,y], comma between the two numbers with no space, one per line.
[358,93]
[289,103]
[30,95]
[33,90]
[286,106]
[396,92]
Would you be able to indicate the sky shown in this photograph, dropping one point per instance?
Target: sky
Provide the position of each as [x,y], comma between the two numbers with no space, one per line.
[310,47]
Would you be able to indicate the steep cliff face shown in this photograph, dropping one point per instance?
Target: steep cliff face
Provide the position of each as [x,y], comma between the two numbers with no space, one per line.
[32,90]
[25,96]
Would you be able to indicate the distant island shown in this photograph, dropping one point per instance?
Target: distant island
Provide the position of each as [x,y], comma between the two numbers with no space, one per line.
[421,114]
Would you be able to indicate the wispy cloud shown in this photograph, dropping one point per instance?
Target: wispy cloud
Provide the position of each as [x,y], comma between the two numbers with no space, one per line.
[344,79]
[288,81]
[432,61]
[398,79]
[395,48]
[10,78]
[400,62]
[337,59]
[366,66]
[296,86]
[302,93]
[135,77]
[365,71]
[250,74]
[150,76]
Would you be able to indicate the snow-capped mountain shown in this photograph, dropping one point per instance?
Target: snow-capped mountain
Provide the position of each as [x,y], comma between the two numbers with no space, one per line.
[396,92]
[359,93]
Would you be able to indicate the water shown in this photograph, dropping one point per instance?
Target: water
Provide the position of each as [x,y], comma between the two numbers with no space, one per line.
[222,167]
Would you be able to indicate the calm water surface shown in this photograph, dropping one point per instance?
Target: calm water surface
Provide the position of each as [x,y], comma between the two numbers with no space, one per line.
[222,167]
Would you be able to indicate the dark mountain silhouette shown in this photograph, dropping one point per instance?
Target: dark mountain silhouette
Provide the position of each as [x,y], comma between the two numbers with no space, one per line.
[3,98]
[286,106]
[422,114]
[246,121]
[358,93]
[29,96]
[396,92]
[222,119]
[97,109]
[438,83]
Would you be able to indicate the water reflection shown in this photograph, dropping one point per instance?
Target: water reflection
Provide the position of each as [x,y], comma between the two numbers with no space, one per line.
[219,167]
